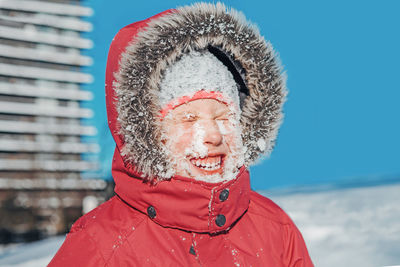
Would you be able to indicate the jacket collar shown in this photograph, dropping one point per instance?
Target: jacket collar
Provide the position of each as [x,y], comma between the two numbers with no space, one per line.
[184,203]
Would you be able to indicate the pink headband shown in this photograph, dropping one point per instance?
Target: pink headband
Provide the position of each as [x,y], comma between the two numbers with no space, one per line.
[202,94]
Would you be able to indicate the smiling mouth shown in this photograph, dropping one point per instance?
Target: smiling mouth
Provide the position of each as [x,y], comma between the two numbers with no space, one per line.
[209,163]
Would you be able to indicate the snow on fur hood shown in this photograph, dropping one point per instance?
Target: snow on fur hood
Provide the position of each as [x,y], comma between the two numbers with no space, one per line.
[141,52]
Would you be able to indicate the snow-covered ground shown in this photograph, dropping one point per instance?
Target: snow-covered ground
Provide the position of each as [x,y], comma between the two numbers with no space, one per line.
[32,254]
[348,227]
[343,227]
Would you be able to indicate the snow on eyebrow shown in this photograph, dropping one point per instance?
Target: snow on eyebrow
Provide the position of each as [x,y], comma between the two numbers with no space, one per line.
[189,115]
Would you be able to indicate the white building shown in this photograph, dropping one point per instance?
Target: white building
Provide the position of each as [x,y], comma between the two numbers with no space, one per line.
[41,150]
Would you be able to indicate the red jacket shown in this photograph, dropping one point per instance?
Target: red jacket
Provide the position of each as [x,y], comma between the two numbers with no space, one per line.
[180,221]
[176,223]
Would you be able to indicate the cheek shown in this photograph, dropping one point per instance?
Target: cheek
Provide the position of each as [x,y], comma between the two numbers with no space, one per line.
[180,140]
[230,140]
[232,137]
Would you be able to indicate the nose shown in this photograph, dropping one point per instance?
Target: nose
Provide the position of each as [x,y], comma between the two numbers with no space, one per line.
[212,134]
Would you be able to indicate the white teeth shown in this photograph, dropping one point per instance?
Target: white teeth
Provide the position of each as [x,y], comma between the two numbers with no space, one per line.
[209,166]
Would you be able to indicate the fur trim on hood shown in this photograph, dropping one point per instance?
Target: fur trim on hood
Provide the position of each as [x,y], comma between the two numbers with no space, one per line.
[160,43]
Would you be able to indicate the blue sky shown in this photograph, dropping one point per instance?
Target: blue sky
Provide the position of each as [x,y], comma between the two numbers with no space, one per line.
[343,64]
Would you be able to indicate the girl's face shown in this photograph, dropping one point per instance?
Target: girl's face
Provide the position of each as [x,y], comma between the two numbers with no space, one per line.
[203,139]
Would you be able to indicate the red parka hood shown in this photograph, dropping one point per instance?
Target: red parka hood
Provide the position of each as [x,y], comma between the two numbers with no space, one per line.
[118,46]
[137,57]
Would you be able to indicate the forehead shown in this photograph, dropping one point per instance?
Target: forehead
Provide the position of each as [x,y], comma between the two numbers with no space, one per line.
[201,106]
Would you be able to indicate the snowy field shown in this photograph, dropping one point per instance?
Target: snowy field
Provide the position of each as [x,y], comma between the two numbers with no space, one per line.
[357,227]
[354,227]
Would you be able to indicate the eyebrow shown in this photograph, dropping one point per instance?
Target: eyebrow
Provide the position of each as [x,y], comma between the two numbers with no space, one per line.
[221,112]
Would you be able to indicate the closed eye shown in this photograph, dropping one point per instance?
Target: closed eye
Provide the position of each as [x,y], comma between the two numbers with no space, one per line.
[189,118]
[223,117]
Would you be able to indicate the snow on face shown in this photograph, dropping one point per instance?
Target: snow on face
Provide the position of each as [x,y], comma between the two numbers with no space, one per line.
[203,140]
